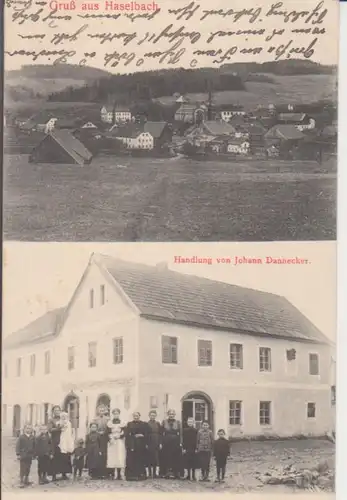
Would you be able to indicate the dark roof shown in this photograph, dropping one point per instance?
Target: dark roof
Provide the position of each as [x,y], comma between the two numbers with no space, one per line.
[71,145]
[135,129]
[155,128]
[164,295]
[67,123]
[291,117]
[219,127]
[172,296]
[286,132]
[43,328]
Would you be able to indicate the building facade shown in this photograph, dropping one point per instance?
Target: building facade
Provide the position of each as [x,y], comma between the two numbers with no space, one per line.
[139,337]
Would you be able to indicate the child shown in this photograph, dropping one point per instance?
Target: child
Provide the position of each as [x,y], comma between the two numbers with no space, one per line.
[189,448]
[204,448]
[93,451]
[221,451]
[44,453]
[79,455]
[25,451]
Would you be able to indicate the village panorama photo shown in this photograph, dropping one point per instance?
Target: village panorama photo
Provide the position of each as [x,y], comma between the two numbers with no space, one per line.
[183,124]
[124,370]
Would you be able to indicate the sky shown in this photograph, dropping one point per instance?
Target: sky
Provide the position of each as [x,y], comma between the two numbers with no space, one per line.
[325,49]
[42,276]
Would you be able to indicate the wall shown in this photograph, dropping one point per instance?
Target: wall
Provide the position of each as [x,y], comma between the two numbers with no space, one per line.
[283,386]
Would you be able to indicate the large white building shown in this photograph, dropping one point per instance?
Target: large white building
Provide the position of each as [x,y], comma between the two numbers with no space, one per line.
[142,337]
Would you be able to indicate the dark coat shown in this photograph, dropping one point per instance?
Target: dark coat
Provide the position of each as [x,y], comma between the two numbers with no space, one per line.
[55,430]
[221,448]
[79,455]
[189,439]
[25,447]
[93,450]
[43,445]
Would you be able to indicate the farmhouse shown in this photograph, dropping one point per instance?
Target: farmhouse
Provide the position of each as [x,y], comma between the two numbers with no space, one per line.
[301,120]
[112,113]
[238,146]
[41,122]
[148,135]
[140,337]
[60,146]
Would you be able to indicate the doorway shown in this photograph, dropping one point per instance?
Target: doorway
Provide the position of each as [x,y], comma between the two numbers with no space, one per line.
[104,400]
[198,406]
[16,424]
[72,407]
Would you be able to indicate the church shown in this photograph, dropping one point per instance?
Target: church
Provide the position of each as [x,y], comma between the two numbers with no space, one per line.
[139,337]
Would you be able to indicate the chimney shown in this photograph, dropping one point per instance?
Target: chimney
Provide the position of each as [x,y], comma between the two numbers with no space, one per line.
[162,266]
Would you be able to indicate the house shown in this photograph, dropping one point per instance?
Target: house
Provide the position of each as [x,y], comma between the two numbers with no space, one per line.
[191,113]
[42,122]
[280,133]
[67,123]
[60,146]
[227,112]
[301,120]
[133,136]
[238,146]
[140,337]
[217,127]
[113,113]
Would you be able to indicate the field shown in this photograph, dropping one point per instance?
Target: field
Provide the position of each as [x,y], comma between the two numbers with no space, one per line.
[299,89]
[247,461]
[169,200]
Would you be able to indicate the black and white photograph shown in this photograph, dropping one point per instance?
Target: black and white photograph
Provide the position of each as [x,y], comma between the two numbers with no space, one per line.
[169,368]
[170,121]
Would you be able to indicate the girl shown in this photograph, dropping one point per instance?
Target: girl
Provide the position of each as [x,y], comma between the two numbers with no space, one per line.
[93,451]
[154,444]
[116,445]
[66,444]
[189,448]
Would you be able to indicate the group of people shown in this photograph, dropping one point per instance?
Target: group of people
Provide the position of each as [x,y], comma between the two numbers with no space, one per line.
[141,449]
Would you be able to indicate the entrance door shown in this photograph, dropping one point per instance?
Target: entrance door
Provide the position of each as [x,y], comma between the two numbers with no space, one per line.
[72,407]
[16,420]
[196,408]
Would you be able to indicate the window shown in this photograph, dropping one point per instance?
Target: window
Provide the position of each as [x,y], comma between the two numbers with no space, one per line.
[30,414]
[92,354]
[102,295]
[153,402]
[265,413]
[265,359]
[311,410]
[32,364]
[19,367]
[118,350]
[4,414]
[314,364]
[71,358]
[236,356]
[333,395]
[91,298]
[205,352]
[169,349]
[5,370]
[47,362]
[235,412]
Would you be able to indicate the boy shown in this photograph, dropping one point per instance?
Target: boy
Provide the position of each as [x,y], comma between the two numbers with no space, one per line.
[204,448]
[25,451]
[79,455]
[221,451]
[44,453]
[189,448]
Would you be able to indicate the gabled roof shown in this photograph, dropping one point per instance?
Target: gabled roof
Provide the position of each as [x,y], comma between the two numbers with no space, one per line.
[160,294]
[219,128]
[43,328]
[71,145]
[118,108]
[155,128]
[286,132]
[291,117]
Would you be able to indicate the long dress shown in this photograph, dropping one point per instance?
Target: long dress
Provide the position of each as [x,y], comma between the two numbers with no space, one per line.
[136,443]
[93,451]
[116,454]
[154,442]
[172,449]
[59,463]
[103,433]
[66,445]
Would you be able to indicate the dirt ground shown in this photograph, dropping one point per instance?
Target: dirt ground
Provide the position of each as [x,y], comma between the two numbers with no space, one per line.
[248,459]
[138,199]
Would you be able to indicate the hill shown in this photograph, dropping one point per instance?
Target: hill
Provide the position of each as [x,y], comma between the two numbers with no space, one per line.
[283,67]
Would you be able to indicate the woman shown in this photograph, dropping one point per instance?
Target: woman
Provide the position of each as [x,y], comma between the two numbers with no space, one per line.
[66,444]
[116,445]
[101,421]
[171,446]
[154,444]
[136,443]
[54,428]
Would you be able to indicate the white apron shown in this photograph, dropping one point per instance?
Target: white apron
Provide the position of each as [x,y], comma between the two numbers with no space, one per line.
[116,446]
[66,443]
